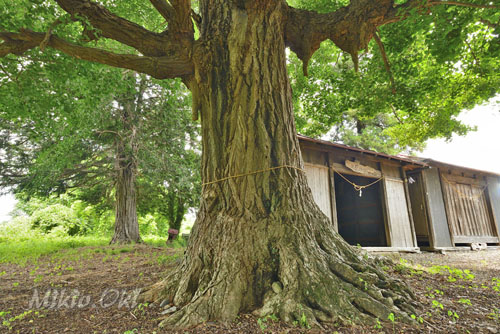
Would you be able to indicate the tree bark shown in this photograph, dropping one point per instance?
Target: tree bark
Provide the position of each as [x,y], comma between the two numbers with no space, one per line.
[126,222]
[260,243]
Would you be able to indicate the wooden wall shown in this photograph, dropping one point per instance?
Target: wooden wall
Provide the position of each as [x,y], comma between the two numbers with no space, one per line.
[494,197]
[429,213]
[469,214]
[452,207]
[401,232]
[318,178]
[320,166]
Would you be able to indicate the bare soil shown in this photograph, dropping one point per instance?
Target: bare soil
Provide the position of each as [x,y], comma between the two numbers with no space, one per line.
[106,278]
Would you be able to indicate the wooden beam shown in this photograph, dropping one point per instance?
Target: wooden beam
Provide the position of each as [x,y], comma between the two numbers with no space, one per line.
[467,239]
[463,179]
[344,170]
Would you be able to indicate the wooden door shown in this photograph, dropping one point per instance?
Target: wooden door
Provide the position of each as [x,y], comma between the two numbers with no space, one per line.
[469,215]
[419,210]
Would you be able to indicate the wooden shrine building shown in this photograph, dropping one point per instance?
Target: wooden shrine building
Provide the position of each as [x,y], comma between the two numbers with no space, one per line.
[364,193]
[454,206]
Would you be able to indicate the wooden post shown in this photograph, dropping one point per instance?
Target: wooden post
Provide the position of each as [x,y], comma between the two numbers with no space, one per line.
[333,201]
[408,206]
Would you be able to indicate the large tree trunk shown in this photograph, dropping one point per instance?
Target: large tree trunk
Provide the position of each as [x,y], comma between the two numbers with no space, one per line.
[126,223]
[260,243]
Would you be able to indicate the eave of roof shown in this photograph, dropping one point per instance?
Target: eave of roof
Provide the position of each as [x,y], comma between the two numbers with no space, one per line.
[436,163]
[363,151]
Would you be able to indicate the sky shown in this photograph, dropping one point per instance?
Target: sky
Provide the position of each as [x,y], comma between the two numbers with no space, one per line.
[479,149]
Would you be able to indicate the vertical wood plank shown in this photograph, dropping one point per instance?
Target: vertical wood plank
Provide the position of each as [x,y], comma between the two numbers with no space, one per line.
[333,198]
[408,205]
[397,209]
[494,200]
[436,209]
[318,181]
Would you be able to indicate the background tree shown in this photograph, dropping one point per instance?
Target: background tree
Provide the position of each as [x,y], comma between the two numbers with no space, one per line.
[100,141]
[258,225]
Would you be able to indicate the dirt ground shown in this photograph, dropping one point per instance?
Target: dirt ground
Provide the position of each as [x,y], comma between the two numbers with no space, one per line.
[92,291]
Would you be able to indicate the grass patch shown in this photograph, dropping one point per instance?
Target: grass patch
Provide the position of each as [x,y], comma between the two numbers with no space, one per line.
[20,244]
[23,251]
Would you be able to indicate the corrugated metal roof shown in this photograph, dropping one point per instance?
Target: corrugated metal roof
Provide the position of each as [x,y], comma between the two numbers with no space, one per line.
[406,159]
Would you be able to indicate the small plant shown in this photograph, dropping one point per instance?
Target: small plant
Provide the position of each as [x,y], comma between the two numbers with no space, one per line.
[419,319]
[141,308]
[38,279]
[465,301]
[453,273]
[402,267]
[262,322]
[132,331]
[496,284]
[8,322]
[392,318]
[453,315]
[495,315]
[437,305]
[378,324]
[303,321]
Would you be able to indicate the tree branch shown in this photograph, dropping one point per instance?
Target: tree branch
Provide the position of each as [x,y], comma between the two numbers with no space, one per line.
[350,27]
[386,61]
[164,8]
[124,31]
[158,67]
[15,47]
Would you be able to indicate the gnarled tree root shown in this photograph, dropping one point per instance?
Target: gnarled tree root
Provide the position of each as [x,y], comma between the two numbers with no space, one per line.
[320,282]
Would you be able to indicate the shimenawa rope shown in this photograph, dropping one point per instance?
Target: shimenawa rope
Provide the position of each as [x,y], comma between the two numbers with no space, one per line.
[252,173]
[357,187]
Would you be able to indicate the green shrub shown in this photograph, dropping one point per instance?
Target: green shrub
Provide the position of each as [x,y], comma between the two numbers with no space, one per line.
[59,218]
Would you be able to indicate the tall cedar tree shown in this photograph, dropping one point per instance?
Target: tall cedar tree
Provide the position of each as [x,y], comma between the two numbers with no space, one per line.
[96,137]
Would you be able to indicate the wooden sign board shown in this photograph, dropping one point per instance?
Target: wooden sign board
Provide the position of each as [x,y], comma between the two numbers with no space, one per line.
[357,167]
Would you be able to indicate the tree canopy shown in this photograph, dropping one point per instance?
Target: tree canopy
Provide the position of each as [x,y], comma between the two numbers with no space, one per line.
[414,78]
[62,123]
